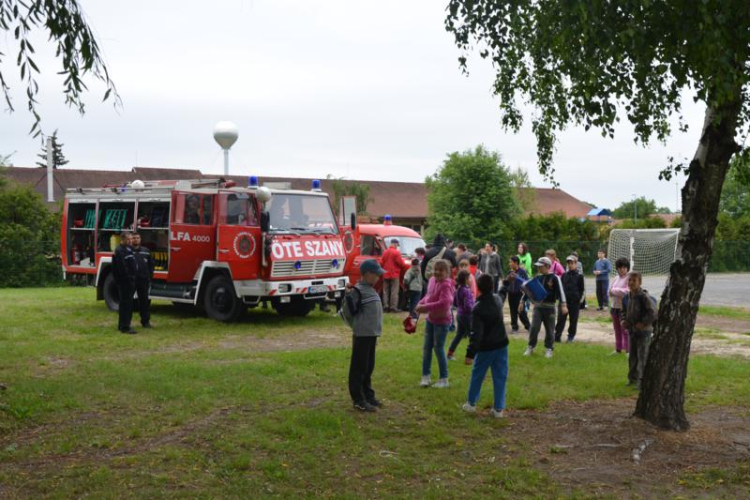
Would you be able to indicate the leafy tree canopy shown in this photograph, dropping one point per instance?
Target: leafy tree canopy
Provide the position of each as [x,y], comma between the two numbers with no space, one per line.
[589,62]
[642,206]
[58,158]
[470,198]
[66,25]
[735,195]
[343,188]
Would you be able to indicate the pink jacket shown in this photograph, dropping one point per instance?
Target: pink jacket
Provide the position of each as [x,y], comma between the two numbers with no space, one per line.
[618,289]
[438,301]
[558,269]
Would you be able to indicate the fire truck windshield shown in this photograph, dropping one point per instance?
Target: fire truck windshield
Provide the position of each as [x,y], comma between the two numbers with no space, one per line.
[301,213]
[407,244]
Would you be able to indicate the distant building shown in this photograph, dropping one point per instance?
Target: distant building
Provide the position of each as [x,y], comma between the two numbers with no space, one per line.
[405,202]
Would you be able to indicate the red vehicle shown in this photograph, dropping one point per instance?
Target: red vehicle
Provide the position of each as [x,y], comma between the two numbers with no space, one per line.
[217,246]
[369,241]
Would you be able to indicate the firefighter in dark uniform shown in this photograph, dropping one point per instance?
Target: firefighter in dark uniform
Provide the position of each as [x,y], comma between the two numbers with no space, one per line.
[143,279]
[125,268]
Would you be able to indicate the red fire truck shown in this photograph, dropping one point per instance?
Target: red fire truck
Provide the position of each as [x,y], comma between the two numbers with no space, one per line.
[217,246]
[369,241]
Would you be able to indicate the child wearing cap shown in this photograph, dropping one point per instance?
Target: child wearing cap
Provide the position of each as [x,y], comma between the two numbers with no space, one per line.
[572,282]
[544,309]
[366,312]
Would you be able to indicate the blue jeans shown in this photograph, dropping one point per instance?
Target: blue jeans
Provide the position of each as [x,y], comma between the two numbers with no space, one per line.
[434,339]
[496,360]
[414,298]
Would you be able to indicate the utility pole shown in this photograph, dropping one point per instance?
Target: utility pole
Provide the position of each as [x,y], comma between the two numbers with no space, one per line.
[50,168]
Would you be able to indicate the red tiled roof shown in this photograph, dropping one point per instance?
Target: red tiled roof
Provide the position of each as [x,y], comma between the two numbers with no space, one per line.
[402,200]
[548,200]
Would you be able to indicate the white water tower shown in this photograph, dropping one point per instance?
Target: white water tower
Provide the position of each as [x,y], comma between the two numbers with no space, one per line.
[225,134]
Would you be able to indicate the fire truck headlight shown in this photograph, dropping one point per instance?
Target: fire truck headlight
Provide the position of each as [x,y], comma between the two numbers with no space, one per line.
[342,283]
[285,288]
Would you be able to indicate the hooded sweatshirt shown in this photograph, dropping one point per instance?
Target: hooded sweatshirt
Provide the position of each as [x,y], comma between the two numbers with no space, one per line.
[438,301]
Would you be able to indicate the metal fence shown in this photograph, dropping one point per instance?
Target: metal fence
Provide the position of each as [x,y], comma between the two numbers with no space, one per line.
[38,263]
[728,256]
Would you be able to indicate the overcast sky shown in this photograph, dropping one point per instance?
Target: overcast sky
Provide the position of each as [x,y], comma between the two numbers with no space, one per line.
[362,90]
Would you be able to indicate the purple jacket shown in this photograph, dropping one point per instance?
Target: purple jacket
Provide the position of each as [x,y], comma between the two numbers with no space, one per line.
[464,301]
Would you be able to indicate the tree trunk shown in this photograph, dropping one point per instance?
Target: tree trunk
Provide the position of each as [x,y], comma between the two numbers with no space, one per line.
[662,396]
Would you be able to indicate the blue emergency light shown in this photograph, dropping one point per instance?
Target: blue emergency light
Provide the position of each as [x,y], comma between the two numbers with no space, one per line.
[298,265]
[335,263]
[316,185]
[253,181]
[387,220]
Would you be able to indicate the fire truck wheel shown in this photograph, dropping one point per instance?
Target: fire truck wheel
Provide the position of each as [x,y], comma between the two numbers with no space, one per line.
[220,301]
[297,306]
[111,293]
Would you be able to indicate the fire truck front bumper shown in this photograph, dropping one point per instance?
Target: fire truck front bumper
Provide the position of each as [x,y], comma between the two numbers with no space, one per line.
[311,289]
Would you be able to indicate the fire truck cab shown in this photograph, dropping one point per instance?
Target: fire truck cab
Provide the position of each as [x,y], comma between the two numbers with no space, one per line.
[215,245]
[369,241]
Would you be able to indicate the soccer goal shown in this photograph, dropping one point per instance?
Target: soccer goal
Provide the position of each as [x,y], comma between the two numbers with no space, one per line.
[650,251]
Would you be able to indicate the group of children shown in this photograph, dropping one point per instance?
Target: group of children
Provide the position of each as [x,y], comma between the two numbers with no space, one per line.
[553,297]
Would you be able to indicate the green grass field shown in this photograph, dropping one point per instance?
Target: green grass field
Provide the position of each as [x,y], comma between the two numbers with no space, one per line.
[195,408]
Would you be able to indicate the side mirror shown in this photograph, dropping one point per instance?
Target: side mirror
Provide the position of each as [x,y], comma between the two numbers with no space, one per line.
[265,222]
[353,221]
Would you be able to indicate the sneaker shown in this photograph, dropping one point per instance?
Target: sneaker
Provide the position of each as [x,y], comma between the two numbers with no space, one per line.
[451,357]
[425,381]
[548,353]
[558,339]
[468,408]
[442,384]
[364,406]
[147,325]
[129,331]
[468,361]
[529,351]
[614,353]
[497,413]
[375,402]
[570,340]
[514,330]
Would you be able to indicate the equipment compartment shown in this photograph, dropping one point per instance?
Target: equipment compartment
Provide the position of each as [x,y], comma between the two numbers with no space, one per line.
[81,226]
[113,218]
[153,226]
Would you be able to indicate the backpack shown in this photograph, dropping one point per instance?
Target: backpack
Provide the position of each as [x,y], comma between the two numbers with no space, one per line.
[429,269]
[351,307]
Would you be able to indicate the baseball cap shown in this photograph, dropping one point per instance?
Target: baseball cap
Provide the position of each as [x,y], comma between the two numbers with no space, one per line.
[371,266]
[394,241]
[571,257]
[543,261]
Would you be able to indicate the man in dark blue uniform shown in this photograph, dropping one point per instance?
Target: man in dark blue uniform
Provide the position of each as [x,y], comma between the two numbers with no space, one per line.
[143,279]
[125,268]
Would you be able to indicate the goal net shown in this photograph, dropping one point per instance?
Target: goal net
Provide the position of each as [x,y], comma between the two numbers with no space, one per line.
[650,251]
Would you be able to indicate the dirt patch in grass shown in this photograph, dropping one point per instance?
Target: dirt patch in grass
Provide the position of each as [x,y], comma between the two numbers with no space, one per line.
[599,446]
[303,340]
[713,335]
[594,446]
